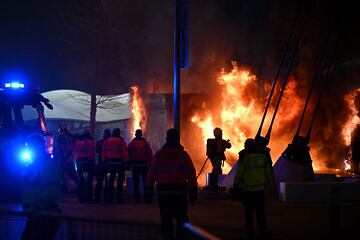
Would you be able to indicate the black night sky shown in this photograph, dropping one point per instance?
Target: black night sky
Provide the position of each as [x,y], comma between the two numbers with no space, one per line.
[110,45]
[104,47]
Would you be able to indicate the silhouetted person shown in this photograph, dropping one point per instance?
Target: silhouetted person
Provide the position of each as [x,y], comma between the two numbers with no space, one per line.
[215,150]
[41,190]
[140,157]
[174,174]
[85,161]
[252,171]
[236,193]
[64,154]
[261,144]
[115,154]
[100,166]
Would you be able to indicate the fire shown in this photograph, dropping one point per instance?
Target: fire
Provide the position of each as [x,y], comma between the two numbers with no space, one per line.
[205,124]
[353,119]
[137,110]
[236,106]
[242,106]
[350,124]
[347,165]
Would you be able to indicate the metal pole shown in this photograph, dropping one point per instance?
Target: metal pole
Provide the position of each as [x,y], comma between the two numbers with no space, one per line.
[280,67]
[320,62]
[309,93]
[324,80]
[292,60]
[177,66]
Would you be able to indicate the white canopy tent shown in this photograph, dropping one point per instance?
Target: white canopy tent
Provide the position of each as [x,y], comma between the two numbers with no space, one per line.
[75,105]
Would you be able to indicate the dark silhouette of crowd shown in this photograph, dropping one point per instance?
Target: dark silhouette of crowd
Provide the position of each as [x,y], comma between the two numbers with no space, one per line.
[83,160]
[170,169]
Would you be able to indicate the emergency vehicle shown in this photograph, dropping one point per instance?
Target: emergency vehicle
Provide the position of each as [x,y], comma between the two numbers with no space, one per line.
[15,155]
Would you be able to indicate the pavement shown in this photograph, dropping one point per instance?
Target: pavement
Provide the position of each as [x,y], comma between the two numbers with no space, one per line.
[225,218]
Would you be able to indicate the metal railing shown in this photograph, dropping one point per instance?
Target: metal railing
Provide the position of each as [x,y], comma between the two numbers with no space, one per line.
[197,233]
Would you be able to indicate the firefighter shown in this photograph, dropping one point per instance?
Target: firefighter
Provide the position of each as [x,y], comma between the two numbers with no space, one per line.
[174,174]
[252,171]
[85,161]
[115,155]
[261,144]
[64,154]
[140,157]
[215,150]
[100,166]
[41,190]
[237,192]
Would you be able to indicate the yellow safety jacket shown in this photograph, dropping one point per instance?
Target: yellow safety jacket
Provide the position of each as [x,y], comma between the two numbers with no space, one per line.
[252,172]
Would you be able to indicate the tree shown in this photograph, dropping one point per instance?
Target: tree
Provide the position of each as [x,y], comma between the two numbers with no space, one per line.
[92,42]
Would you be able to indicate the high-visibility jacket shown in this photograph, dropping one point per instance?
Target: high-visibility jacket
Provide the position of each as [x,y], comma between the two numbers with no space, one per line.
[115,148]
[172,165]
[252,172]
[64,148]
[85,149]
[140,153]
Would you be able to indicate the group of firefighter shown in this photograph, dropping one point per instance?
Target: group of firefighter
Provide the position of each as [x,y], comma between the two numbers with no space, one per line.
[114,157]
[171,168]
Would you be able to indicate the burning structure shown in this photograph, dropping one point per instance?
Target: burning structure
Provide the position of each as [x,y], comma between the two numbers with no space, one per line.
[237,109]
[234,97]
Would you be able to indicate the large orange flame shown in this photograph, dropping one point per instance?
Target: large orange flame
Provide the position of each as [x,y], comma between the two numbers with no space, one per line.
[137,110]
[242,106]
[205,123]
[353,119]
[237,109]
[350,125]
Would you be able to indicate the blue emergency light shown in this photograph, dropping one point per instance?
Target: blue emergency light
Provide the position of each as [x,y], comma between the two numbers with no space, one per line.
[26,156]
[14,85]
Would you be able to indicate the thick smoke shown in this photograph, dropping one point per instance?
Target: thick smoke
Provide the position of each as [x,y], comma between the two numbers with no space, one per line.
[108,46]
[256,41]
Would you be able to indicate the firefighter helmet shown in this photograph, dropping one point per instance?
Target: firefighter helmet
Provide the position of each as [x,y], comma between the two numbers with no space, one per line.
[249,143]
[116,132]
[138,133]
[217,132]
[172,135]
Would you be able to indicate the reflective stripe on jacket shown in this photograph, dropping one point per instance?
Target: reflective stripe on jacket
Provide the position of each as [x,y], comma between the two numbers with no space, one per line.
[115,148]
[140,152]
[85,149]
[252,172]
[172,165]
